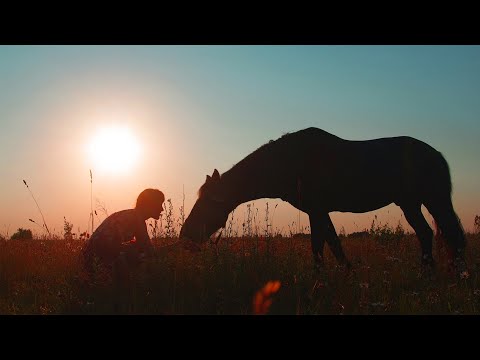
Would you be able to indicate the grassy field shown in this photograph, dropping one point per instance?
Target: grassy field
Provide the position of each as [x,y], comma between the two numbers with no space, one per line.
[241,276]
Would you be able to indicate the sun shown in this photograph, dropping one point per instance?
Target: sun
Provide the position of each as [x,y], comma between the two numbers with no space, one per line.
[114,149]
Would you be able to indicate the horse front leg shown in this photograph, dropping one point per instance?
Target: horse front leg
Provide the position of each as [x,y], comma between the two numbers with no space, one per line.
[334,242]
[317,241]
[325,230]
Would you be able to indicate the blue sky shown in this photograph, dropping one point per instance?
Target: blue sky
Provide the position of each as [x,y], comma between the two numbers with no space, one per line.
[197,108]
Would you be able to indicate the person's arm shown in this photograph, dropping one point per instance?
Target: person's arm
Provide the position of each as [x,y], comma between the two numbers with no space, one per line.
[143,240]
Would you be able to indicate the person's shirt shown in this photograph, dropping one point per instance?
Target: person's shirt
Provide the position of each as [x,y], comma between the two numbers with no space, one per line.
[124,226]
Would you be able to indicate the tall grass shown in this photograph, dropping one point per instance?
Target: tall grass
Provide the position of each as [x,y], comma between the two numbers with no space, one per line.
[38,207]
[241,274]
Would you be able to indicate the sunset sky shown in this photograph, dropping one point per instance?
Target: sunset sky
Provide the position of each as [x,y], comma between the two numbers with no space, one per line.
[182,111]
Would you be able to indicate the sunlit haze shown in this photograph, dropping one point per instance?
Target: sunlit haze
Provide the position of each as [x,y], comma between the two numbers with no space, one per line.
[166,116]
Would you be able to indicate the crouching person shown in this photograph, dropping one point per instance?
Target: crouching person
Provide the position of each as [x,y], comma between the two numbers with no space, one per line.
[122,240]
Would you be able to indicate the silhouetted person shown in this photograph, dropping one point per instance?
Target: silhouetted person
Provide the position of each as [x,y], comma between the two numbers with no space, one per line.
[123,236]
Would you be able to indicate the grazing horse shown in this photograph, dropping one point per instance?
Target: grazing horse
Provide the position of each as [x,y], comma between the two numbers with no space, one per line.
[318,172]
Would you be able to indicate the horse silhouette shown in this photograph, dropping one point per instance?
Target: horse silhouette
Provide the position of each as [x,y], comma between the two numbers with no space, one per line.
[318,172]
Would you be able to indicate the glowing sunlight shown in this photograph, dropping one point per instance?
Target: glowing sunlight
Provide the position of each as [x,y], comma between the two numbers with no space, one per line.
[114,149]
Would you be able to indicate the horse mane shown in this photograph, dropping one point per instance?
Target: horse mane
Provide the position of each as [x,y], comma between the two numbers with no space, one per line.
[260,150]
[283,140]
[249,157]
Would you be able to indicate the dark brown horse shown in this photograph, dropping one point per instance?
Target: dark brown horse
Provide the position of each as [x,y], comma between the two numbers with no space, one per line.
[318,172]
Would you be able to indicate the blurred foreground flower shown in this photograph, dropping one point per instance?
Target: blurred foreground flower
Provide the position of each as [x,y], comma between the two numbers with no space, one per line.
[262,299]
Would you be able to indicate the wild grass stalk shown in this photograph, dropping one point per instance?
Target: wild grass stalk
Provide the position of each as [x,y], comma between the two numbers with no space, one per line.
[38,207]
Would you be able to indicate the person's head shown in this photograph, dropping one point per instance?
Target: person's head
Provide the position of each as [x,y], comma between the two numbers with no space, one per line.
[150,203]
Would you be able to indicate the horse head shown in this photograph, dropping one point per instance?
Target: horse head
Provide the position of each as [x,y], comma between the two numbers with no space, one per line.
[209,213]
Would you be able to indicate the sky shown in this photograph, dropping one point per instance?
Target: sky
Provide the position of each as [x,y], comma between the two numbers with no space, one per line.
[188,110]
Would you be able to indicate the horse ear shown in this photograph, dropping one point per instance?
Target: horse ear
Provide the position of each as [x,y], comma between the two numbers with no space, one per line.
[216,175]
[208,178]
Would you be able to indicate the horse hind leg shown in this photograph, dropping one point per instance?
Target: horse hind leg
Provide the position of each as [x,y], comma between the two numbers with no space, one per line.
[451,230]
[414,216]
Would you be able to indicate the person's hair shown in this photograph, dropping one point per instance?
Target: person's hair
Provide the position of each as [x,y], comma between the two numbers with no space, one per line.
[149,198]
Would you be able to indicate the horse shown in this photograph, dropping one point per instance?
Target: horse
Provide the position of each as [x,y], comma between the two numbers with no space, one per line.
[318,172]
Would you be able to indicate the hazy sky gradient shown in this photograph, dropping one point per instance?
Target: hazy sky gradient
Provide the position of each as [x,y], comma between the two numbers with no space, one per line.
[197,108]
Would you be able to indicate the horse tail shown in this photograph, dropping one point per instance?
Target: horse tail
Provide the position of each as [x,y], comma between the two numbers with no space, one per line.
[449,235]
[452,226]
[444,191]
[445,179]
[440,240]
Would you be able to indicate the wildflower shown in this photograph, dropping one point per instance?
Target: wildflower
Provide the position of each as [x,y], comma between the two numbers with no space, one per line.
[262,299]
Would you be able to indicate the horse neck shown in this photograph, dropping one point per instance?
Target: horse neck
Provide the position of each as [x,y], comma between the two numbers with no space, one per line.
[243,184]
